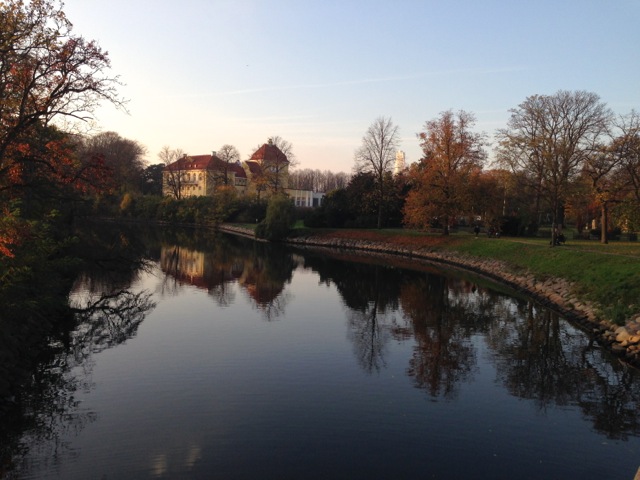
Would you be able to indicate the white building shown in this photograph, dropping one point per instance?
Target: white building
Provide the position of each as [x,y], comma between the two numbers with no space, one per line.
[400,163]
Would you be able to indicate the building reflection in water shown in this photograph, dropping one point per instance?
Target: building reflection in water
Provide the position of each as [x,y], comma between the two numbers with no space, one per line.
[261,277]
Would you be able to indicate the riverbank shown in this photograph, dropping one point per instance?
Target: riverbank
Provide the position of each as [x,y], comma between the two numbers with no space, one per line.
[560,294]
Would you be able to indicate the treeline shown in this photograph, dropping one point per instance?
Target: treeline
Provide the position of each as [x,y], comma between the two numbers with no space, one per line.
[562,159]
[223,206]
[318,180]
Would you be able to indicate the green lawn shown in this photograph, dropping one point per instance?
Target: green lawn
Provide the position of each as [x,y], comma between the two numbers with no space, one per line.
[608,274]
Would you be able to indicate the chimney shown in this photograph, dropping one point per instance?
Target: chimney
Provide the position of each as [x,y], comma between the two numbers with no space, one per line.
[213,153]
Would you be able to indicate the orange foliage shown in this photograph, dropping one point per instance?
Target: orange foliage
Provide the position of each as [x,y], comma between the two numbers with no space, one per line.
[56,163]
[12,233]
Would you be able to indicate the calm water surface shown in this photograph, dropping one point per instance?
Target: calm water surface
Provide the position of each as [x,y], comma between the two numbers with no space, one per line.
[220,358]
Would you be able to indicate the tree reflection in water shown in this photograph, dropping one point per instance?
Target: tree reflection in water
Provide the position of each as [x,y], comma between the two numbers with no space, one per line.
[449,320]
[538,355]
[369,322]
[387,302]
[103,312]
[444,355]
[544,359]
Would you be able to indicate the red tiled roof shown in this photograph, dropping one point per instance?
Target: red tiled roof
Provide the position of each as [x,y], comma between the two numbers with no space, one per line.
[200,162]
[269,153]
[254,166]
[239,171]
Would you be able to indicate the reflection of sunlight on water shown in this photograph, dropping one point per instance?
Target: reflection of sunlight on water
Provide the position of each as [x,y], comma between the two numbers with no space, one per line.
[193,455]
[159,465]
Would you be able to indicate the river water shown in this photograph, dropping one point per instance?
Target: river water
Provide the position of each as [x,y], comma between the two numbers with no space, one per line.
[214,357]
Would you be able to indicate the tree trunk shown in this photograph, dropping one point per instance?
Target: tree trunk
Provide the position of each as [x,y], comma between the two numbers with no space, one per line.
[380,201]
[554,218]
[604,222]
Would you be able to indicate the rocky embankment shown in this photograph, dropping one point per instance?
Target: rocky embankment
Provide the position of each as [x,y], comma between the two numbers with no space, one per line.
[555,293]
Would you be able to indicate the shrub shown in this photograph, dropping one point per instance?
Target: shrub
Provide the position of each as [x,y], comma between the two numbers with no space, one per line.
[246,210]
[147,206]
[280,217]
[315,219]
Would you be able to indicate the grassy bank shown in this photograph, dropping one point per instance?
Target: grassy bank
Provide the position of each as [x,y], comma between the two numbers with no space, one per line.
[606,274]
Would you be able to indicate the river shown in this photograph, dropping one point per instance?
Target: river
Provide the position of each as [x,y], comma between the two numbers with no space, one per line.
[208,356]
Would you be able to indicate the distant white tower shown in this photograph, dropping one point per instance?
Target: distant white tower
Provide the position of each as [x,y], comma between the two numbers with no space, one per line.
[399,165]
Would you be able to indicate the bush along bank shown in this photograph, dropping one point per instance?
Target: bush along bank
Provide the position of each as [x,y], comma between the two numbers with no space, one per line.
[555,293]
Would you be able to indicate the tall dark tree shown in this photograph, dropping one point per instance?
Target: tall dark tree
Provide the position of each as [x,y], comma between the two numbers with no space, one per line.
[377,156]
[124,159]
[172,177]
[229,156]
[152,179]
[550,137]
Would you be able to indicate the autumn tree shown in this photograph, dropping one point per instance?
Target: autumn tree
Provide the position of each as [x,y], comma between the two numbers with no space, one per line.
[49,78]
[493,200]
[604,169]
[276,166]
[377,155]
[550,137]
[46,73]
[452,153]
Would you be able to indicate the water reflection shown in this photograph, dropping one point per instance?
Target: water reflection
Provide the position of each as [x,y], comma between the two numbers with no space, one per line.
[538,356]
[442,323]
[261,271]
[450,330]
[543,359]
[393,303]
[103,312]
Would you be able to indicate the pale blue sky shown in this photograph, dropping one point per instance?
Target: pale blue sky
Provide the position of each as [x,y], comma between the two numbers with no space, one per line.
[200,74]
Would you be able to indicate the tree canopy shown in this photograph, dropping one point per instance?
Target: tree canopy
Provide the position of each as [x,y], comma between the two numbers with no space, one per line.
[452,154]
[50,80]
[550,137]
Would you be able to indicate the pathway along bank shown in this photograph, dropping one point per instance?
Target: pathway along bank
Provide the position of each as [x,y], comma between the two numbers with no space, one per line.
[554,293]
